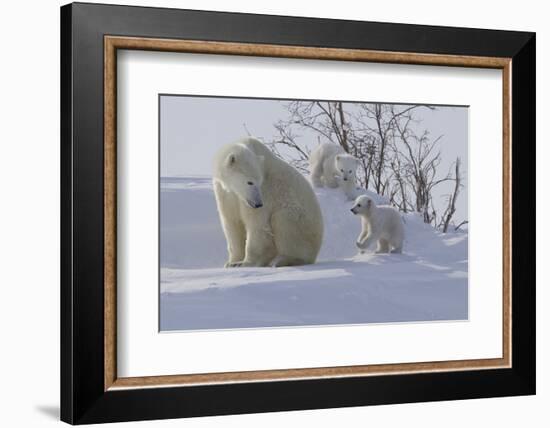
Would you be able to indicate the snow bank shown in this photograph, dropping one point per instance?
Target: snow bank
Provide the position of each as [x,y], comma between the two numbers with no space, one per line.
[427,282]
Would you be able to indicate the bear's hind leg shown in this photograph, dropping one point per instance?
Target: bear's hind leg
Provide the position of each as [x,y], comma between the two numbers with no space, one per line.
[383,246]
[260,249]
[294,245]
[397,246]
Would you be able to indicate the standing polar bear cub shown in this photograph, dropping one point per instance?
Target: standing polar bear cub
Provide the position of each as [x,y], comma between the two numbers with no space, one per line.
[331,166]
[381,224]
[268,210]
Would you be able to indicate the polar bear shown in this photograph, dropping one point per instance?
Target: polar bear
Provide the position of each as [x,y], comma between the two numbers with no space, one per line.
[381,224]
[331,166]
[268,210]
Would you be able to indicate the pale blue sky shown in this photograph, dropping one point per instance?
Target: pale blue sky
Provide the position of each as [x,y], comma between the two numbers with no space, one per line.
[193,128]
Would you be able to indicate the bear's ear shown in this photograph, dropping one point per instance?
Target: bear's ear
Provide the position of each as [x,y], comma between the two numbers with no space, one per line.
[337,157]
[231,159]
[369,203]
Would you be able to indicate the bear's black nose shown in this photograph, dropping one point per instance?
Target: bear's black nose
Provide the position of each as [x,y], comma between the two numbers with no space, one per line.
[258,205]
[345,179]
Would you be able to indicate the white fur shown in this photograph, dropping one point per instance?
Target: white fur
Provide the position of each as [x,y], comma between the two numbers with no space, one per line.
[381,224]
[331,166]
[269,212]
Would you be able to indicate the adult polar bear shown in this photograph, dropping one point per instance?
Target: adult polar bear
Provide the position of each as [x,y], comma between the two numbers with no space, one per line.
[268,210]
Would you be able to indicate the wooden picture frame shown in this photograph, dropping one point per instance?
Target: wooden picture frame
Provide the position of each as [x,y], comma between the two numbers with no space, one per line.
[91,391]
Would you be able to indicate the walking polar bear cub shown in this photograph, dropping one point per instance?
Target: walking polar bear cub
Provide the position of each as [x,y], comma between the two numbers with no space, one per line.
[381,224]
[268,210]
[331,166]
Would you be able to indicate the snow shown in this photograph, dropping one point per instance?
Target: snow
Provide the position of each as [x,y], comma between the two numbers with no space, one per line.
[428,282]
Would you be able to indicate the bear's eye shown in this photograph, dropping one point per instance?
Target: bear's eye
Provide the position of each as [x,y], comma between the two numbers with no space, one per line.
[358,205]
[350,171]
[250,183]
[341,170]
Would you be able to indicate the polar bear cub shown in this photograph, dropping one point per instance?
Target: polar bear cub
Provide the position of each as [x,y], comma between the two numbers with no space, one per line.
[381,224]
[268,210]
[331,166]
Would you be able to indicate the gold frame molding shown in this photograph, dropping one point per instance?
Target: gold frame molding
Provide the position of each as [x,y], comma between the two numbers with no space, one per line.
[113,43]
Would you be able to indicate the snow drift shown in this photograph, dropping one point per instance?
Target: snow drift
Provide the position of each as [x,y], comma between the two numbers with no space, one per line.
[428,282]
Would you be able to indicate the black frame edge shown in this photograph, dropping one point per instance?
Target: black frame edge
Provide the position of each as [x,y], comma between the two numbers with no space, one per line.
[297,30]
[524,220]
[66,130]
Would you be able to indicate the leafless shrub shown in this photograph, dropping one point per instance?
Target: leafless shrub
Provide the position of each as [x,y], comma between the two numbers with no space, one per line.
[396,159]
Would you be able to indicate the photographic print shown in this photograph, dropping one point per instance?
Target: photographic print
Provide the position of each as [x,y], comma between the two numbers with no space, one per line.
[287,212]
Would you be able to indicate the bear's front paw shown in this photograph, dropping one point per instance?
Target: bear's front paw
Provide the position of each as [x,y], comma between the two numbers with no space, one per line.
[358,244]
[242,263]
[233,264]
